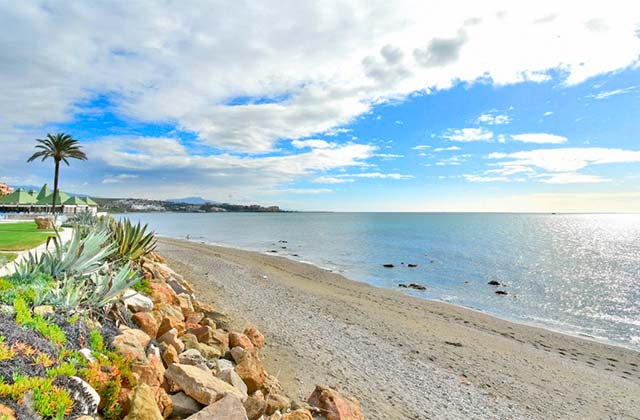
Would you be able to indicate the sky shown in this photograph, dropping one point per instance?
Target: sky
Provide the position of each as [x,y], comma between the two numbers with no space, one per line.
[330,105]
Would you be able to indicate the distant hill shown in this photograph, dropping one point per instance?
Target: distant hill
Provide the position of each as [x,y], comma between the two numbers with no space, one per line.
[190,200]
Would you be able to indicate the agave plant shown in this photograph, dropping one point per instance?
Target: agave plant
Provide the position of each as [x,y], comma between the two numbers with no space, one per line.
[95,291]
[132,241]
[80,257]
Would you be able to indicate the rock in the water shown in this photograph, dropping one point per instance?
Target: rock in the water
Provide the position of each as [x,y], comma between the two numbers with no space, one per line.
[412,265]
[501,292]
[184,405]
[388,265]
[412,286]
[255,336]
[227,408]
[199,384]
[142,405]
[137,302]
[333,405]
[494,283]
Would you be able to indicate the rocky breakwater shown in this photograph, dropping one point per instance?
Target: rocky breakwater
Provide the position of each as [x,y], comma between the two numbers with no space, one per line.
[188,364]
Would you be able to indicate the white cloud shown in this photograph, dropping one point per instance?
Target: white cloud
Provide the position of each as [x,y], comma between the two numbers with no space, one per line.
[468,134]
[493,119]
[421,147]
[539,138]
[303,191]
[614,92]
[548,113]
[573,178]
[313,144]
[379,175]
[388,155]
[331,180]
[117,179]
[447,149]
[454,160]
[481,178]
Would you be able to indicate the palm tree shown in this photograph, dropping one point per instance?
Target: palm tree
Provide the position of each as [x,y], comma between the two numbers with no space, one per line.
[59,147]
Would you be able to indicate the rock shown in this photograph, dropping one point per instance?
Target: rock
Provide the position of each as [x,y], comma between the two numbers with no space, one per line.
[7,413]
[128,345]
[185,303]
[501,292]
[151,373]
[300,414]
[169,322]
[412,286]
[237,339]
[218,318]
[177,287]
[255,336]
[191,357]
[163,401]
[28,403]
[388,265]
[43,310]
[212,337]
[231,377]
[199,384]
[86,354]
[251,371]
[210,352]
[195,318]
[255,405]
[47,223]
[147,323]
[87,399]
[275,416]
[169,354]
[142,405]
[171,311]
[137,302]
[184,405]
[227,408]
[7,309]
[237,353]
[171,338]
[412,265]
[494,283]
[140,335]
[277,402]
[190,341]
[335,406]
[163,294]
[223,364]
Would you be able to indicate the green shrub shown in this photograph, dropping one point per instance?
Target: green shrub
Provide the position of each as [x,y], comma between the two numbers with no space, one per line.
[132,241]
[49,330]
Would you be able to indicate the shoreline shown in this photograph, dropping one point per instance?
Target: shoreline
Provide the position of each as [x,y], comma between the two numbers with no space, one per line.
[403,356]
[517,321]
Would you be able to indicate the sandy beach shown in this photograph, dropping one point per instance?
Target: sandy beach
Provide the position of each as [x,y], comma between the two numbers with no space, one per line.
[404,357]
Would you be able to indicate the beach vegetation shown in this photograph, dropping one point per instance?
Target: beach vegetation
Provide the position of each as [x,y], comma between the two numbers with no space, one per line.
[60,147]
[133,241]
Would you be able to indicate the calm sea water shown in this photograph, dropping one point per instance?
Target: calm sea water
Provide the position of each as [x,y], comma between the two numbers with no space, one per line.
[573,273]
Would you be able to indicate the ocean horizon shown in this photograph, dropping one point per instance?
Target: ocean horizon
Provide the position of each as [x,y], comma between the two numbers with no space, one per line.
[574,273]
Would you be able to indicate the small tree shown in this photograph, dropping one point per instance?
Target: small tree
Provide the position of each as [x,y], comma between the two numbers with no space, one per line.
[60,147]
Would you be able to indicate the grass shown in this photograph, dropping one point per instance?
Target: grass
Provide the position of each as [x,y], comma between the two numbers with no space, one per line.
[21,236]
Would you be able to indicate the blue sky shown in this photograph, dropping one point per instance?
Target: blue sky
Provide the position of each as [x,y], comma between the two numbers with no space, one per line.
[390,106]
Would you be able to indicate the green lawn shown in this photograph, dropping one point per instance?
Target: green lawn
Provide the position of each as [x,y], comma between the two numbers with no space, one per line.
[21,236]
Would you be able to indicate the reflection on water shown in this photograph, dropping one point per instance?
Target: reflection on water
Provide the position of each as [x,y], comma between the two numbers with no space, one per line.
[576,273]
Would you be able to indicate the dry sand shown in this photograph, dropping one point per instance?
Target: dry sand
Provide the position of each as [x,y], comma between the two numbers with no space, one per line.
[405,357]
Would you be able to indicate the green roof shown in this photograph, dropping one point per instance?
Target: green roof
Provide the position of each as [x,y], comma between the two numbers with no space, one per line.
[77,201]
[19,196]
[44,192]
[90,202]
[60,199]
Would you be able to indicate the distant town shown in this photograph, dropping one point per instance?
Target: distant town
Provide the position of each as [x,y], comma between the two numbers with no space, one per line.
[131,205]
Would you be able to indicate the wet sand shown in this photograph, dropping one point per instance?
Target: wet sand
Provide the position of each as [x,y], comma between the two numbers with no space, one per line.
[403,357]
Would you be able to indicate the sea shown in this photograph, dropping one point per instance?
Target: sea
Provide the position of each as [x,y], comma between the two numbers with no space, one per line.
[573,273]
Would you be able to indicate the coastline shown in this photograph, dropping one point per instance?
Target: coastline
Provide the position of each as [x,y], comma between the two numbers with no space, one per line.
[407,357]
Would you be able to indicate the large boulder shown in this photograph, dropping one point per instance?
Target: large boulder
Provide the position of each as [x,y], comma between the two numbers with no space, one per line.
[227,408]
[333,405]
[251,370]
[231,377]
[199,384]
[142,405]
[163,294]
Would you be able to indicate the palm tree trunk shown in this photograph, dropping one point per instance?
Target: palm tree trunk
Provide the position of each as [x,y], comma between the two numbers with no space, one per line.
[55,187]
